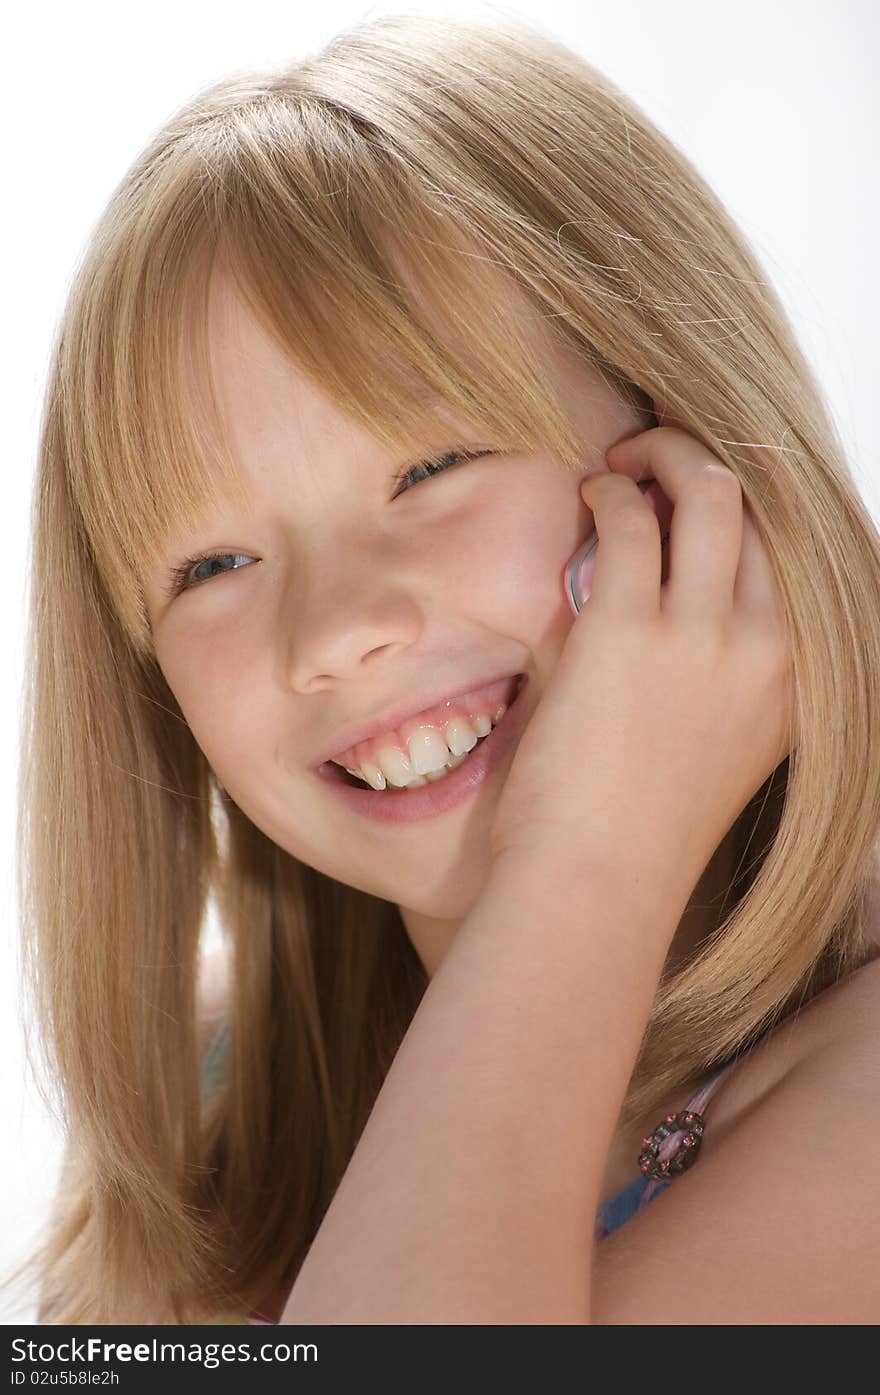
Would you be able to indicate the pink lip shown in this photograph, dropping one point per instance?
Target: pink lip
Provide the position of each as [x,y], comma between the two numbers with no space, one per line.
[389,721]
[438,797]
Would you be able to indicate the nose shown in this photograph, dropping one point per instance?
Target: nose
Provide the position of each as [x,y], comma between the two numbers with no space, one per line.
[331,628]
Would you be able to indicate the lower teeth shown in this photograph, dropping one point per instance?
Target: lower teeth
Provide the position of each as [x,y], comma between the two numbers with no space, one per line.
[433,775]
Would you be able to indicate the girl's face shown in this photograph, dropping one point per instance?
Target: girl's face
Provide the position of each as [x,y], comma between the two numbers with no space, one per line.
[344,599]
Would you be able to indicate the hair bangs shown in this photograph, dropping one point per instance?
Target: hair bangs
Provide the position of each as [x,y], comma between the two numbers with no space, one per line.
[317,253]
[310,215]
[413,214]
[144,451]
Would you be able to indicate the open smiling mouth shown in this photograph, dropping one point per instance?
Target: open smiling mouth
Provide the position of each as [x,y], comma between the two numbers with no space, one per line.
[481,729]
[436,791]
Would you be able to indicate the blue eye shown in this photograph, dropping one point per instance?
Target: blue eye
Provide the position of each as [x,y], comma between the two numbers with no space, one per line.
[436,466]
[181,580]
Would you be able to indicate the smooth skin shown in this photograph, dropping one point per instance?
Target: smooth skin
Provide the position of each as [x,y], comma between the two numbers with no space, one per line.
[472,1192]
[349,596]
[706,653]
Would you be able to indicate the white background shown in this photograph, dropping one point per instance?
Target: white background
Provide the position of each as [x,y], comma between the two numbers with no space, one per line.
[775,102]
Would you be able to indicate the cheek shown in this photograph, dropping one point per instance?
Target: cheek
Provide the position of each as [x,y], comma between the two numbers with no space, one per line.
[504,562]
[214,673]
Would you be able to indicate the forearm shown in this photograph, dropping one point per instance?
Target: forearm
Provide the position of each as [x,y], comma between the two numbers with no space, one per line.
[472,1192]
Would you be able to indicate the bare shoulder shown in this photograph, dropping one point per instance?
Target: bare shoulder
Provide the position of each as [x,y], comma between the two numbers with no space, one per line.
[779,1221]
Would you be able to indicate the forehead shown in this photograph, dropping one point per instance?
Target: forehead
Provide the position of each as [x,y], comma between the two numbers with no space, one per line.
[242,344]
[252,348]
[287,381]
[259,388]
[264,396]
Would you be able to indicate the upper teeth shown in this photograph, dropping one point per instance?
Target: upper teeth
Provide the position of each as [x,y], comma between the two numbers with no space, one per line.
[430,752]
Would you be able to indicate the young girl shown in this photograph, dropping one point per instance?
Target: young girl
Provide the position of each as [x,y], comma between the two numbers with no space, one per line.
[550,991]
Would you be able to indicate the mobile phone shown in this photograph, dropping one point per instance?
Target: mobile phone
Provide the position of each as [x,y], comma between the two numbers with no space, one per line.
[579,569]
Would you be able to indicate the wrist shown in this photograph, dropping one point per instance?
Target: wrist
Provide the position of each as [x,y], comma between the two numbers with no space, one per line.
[553,878]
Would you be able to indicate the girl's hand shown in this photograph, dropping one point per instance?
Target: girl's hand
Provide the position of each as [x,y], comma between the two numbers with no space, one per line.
[671,703]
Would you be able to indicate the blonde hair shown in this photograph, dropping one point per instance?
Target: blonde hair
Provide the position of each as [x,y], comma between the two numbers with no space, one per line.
[413,162]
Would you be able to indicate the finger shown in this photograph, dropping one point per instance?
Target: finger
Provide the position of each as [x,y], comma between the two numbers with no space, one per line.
[705,533]
[756,593]
[628,560]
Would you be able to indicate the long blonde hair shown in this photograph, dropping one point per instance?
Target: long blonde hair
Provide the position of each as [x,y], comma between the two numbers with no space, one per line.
[413,161]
